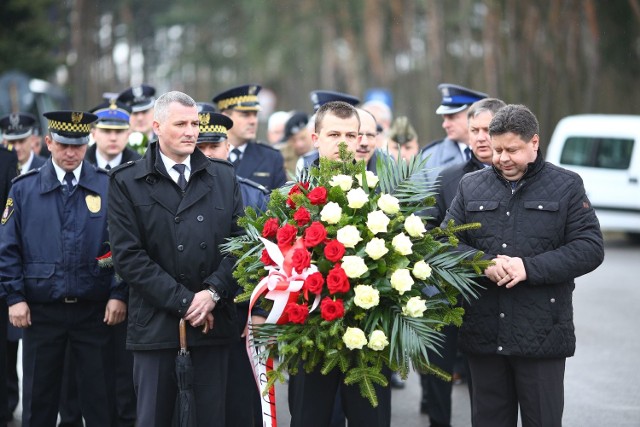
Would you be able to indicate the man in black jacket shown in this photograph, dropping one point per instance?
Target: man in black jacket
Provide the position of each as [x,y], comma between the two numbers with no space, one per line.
[541,231]
[169,212]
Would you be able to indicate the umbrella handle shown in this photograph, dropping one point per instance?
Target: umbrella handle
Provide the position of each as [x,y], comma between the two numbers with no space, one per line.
[183,335]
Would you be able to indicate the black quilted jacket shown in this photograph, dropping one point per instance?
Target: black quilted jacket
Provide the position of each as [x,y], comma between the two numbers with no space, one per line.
[549,223]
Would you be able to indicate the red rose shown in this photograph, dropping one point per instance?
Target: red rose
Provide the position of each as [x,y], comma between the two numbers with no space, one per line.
[302,217]
[296,313]
[314,234]
[330,309]
[313,282]
[296,189]
[301,259]
[337,280]
[334,251]
[270,228]
[286,235]
[266,259]
[318,196]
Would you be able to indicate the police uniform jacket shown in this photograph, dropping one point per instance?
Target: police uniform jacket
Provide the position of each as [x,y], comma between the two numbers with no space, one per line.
[50,239]
[127,155]
[165,244]
[253,194]
[441,154]
[37,162]
[547,221]
[263,164]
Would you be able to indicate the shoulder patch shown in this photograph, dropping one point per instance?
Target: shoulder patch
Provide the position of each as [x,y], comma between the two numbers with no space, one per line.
[119,167]
[26,174]
[8,210]
[252,184]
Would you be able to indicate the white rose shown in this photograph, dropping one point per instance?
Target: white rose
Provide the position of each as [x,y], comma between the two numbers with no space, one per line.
[349,236]
[366,296]
[372,179]
[377,222]
[389,204]
[357,198]
[415,307]
[421,270]
[342,181]
[401,280]
[354,266]
[354,338]
[377,340]
[414,226]
[331,213]
[376,248]
[402,244]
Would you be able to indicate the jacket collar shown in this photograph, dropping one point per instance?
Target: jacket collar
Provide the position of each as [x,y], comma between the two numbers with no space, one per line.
[88,178]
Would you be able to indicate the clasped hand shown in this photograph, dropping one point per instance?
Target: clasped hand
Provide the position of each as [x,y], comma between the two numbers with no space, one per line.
[507,271]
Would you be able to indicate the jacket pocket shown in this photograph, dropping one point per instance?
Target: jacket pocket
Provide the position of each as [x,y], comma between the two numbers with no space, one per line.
[482,205]
[39,270]
[542,222]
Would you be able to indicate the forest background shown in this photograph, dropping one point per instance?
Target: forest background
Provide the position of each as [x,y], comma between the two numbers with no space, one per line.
[559,57]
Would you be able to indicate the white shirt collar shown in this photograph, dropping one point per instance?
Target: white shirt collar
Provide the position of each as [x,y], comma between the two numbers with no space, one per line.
[25,168]
[168,164]
[60,173]
[102,162]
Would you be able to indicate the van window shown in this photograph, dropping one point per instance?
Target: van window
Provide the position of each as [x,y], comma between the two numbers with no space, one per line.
[609,153]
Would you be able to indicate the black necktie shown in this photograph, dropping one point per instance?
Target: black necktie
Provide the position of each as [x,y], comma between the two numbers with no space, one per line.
[238,153]
[467,153]
[108,167]
[182,181]
[68,178]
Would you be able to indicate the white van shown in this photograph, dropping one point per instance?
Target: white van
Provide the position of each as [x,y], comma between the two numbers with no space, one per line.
[605,150]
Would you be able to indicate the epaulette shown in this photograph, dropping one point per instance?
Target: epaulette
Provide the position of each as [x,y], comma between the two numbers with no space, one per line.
[223,161]
[26,174]
[120,167]
[262,144]
[252,184]
[431,144]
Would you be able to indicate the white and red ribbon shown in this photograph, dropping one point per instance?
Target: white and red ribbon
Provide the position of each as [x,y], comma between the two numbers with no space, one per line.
[281,284]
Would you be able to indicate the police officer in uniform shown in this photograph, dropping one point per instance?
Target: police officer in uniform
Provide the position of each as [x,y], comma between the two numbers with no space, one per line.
[53,228]
[110,133]
[454,148]
[16,131]
[140,100]
[253,160]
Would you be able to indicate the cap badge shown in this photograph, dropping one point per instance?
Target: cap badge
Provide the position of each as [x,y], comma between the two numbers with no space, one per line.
[252,90]
[14,119]
[137,91]
[76,117]
[204,119]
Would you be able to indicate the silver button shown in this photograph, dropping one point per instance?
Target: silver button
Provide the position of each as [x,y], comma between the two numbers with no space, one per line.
[504,245]
[200,218]
[180,248]
[539,206]
[481,207]
[508,213]
[502,315]
[552,300]
[499,348]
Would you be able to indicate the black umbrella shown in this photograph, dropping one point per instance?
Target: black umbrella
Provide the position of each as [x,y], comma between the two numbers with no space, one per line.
[184,414]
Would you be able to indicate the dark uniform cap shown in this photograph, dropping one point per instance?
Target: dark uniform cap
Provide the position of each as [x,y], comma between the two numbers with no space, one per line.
[138,98]
[457,98]
[213,126]
[295,124]
[70,127]
[243,98]
[112,115]
[17,126]
[401,131]
[321,97]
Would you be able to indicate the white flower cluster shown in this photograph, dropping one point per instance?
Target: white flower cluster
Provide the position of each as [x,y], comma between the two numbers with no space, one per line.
[354,338]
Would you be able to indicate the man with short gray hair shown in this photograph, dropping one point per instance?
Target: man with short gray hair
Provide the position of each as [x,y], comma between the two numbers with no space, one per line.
[168,214]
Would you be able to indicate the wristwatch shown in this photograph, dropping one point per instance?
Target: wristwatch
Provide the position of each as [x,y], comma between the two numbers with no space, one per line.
[215,297]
